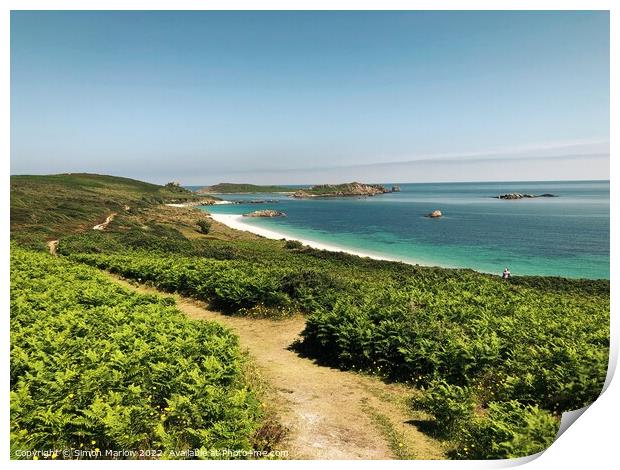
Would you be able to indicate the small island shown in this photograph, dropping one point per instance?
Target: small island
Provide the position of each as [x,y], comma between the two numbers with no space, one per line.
[255,201]
[266,213]
[522,196]
[340,190]
[236,188]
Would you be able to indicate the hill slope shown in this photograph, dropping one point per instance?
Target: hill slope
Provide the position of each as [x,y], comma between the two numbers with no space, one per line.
[43,207]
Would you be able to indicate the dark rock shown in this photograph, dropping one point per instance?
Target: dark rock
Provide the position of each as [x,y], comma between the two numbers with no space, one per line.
[435,214]
[265,213]
[522,196]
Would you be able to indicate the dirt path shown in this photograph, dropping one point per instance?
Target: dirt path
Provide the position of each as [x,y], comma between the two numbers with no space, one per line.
[330,414]
[52,245]
[102,226]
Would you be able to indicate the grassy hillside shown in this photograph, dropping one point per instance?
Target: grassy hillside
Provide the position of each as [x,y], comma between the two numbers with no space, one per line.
[231,188]
[46,207]
[495,362]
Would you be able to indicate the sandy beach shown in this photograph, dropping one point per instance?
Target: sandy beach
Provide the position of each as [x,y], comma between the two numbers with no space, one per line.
[237,222]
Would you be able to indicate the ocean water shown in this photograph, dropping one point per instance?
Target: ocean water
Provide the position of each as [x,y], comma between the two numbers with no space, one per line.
[563,236]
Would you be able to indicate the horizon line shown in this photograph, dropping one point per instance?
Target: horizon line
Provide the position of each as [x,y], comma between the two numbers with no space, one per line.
[308,184]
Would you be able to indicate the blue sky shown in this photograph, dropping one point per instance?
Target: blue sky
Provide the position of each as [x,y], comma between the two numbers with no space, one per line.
[305,97]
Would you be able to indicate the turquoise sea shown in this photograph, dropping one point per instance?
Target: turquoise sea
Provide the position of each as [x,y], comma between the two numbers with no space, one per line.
[563,236]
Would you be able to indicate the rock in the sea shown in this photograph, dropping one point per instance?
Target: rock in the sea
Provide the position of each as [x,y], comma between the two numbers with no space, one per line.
[265,213]
[395,188]
[523,196]
[435,214]
[256,201]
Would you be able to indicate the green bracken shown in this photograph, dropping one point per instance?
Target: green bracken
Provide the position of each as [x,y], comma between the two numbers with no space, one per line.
[495,362]
[97,368]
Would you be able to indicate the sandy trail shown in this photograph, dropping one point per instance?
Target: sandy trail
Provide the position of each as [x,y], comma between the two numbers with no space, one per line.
[330,414]
[102,226]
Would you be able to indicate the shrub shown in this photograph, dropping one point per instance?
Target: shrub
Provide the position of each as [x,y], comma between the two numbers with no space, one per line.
[311,288]
[506,430]
[501,430]
[451,406]
[293,244]
[204,226]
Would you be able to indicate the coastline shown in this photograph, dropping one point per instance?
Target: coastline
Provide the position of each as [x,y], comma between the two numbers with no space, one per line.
[235,221]
[464,239]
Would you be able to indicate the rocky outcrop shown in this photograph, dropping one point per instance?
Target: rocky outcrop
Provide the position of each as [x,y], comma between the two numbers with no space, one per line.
[396,189]
[435,214]
[522,196]
[265,213]
[341,190]
[256,201]
[201,202]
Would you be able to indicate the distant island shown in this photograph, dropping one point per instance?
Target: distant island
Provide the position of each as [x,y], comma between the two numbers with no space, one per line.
[522,196]
[234,188]
[341,190]
[317,191]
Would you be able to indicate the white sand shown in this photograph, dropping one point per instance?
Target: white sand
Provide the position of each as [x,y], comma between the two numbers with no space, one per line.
[236,221]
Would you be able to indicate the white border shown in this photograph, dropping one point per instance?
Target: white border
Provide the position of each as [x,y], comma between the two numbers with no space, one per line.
[592,442]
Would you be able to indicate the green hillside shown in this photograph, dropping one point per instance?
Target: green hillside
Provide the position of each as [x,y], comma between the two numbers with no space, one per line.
[45,207]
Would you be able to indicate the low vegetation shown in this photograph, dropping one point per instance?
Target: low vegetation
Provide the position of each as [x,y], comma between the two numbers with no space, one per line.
[95,367]
[501,430]
[495,362]
[47,207]
[533,351]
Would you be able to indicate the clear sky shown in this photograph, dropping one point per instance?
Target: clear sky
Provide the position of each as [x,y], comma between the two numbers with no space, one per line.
[311,97]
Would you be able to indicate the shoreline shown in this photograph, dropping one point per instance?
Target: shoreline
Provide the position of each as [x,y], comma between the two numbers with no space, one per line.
[235,221]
